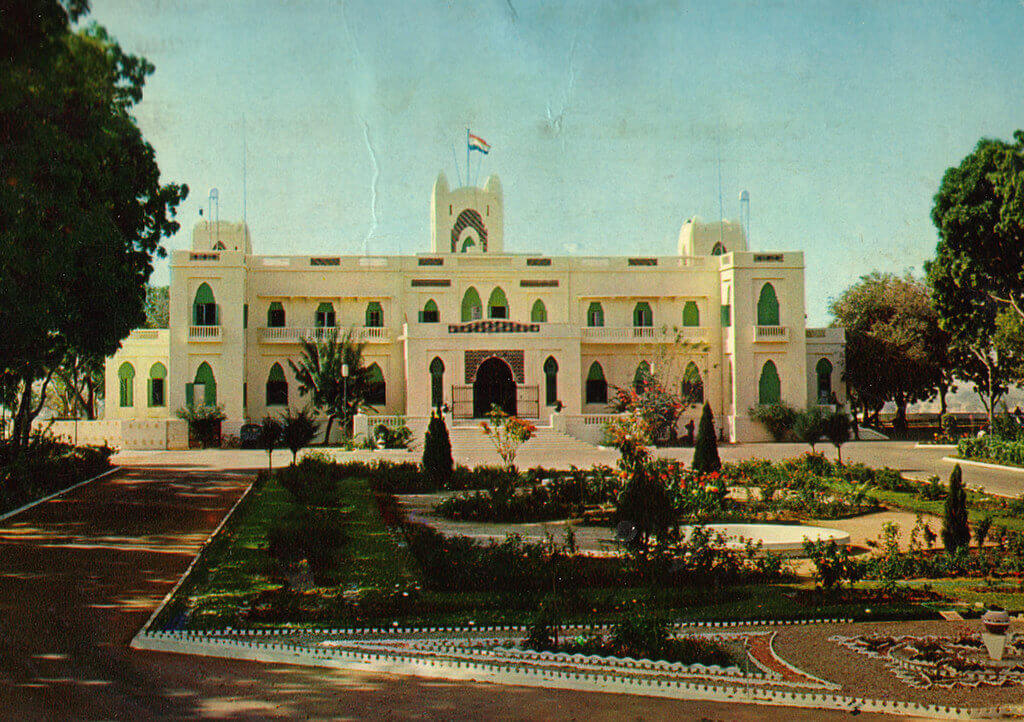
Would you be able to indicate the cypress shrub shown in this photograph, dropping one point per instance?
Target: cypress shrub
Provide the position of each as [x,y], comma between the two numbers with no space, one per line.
[705,451]
[437,453]
[956,534]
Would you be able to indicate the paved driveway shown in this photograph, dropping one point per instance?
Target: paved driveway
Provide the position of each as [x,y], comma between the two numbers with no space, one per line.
[79,575]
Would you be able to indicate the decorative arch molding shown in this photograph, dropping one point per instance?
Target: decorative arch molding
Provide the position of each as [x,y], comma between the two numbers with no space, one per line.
[469,218]
[513,357]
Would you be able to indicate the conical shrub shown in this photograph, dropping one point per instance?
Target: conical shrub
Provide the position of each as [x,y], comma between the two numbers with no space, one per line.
[705,450]
[437,453]
[956,533]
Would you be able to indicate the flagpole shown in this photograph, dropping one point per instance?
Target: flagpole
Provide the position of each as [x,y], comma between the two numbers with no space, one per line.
[456,159]
[467,157]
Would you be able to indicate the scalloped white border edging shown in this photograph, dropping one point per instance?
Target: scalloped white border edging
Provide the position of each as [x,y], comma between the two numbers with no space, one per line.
[37,502]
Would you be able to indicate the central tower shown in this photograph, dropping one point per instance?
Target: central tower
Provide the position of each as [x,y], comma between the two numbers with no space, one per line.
[468,219]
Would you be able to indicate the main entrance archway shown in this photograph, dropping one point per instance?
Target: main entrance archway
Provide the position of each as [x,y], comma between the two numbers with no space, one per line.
[494,384]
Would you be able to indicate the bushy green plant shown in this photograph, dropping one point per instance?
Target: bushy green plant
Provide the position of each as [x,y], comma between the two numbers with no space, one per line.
[311,483]
[948,425]
[391,437]
[46,466]
[1005,426]
[437,452]
[809,426]
[837,430]
[956,533]
[833,564]
[297,430]
[778,418]
[992,449]
[705,451]
[270,433]
[203,421]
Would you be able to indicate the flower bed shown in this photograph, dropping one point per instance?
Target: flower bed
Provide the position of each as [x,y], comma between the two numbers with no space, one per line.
[992,449]
[46,467]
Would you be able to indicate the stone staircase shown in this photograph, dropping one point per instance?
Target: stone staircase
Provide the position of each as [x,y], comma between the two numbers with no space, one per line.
[548,447]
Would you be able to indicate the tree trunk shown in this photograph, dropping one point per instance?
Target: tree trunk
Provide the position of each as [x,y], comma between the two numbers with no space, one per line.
[327,433]
[899,424]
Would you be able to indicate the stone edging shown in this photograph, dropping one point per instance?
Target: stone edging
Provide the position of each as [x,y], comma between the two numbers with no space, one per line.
[982,464]
[505,673]
[7,515]
[923,445]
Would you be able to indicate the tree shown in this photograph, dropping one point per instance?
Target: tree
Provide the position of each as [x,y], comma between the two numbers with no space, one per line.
[705,450]
[956,534]
[319,373]
[809,426]
[895,349]
[437,452]
[836,426]
[507,433]
[297,430]
[270,434]
[82,209]
[979,213]
[157,308]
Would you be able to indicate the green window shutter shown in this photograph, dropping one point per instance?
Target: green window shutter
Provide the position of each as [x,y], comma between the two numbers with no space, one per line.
[126,378]
[767,306]
[149,392]
[189,394]
[471,305]
[595,315]
[726,316]
[691,314]
[769,388]
[245,316]
[642,314]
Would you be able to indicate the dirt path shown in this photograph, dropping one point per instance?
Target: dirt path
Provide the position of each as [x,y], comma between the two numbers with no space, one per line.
[79,575]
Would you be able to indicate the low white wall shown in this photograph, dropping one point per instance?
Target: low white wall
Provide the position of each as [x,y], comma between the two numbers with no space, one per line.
[122,434]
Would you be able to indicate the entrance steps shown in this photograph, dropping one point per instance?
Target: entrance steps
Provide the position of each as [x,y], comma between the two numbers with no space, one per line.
[546,443]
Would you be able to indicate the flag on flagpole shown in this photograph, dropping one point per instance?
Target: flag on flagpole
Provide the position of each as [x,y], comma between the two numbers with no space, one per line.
[478,143]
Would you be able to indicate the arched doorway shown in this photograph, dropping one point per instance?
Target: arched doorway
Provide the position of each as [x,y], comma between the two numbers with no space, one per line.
[494,384]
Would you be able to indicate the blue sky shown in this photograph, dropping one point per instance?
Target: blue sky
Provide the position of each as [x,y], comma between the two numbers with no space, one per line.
[606,120]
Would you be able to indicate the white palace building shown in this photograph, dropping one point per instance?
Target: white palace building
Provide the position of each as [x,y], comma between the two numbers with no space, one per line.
[470,323]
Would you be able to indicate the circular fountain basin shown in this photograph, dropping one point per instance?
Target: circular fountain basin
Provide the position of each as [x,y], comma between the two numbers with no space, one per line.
[784,539]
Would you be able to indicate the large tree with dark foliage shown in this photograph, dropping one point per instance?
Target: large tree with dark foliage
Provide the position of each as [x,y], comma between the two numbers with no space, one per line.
[977,275]
[895,349]
[82,209]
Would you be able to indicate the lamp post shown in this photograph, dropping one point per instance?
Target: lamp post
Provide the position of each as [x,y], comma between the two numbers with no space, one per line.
[344,403]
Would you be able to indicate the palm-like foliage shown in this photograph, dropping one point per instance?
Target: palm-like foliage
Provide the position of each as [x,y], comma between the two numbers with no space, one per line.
[318,373]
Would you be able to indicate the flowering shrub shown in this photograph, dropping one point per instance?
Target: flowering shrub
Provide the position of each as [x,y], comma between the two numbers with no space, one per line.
[507,433]
[658,408]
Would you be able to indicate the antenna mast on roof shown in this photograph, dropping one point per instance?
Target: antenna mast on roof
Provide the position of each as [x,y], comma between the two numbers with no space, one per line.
[215,213]
[721,211]
[745,214]
[244,153]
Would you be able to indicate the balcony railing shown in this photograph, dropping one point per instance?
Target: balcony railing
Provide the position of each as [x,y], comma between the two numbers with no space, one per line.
[204,333]
[643,334]
[295,334]
[771,334]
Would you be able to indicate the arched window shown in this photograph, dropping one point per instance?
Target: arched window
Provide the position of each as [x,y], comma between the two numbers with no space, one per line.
[468,243]
[430,314]
[539,312]
[471,307]
[204,307]
[376,389]
[325,315]
[275,315]
[642,315]
[156,386]
[277,387]
[769,388]
[691,314]
[550,381]
[597,387]
[374,315]
[692,388]
[497,304]
[203,390]
[126,385]
[768,307]
[642,376]
[824,373]
[436,383]
[718,250]
[595,315]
